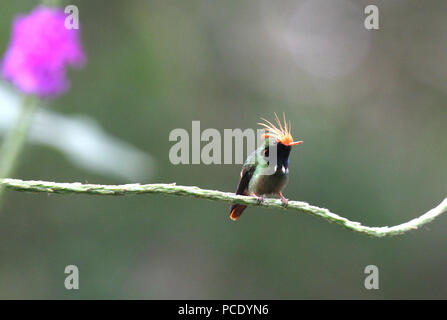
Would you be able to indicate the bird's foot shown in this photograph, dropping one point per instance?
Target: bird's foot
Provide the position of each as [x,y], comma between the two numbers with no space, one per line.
[260,199]
[284,201]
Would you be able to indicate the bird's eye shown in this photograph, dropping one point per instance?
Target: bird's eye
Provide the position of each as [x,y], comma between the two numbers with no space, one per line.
[265,153]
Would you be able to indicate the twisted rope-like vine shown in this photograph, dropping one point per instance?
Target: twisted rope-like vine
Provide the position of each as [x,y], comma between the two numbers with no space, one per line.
[190,191]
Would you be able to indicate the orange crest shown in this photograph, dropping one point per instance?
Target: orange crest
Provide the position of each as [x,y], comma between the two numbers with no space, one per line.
[282,134]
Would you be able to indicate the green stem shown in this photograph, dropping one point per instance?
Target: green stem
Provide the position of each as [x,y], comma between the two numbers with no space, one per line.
[15,140]
[189,191]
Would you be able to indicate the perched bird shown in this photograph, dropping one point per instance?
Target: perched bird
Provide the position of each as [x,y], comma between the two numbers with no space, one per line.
[259,177]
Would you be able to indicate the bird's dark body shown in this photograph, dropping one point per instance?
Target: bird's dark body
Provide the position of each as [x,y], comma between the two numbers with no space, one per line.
[267,184]
[263,185]
[255,178]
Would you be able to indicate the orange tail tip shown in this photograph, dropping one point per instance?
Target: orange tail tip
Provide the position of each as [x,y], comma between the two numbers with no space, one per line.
[236,211]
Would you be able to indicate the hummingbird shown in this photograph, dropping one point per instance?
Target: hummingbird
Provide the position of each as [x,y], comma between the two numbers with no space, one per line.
[258,178]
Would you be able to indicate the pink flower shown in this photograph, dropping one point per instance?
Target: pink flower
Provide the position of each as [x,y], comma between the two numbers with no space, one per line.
[40,49]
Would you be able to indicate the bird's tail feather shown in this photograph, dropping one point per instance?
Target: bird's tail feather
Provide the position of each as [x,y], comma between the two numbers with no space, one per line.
[236,211]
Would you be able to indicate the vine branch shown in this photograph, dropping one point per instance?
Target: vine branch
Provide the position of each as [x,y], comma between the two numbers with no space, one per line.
[190,191]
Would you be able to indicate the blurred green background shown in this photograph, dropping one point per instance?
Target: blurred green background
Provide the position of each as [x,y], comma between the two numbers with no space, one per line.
[369,105]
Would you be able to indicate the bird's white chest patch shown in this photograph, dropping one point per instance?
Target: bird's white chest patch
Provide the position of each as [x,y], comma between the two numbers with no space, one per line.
[283,169]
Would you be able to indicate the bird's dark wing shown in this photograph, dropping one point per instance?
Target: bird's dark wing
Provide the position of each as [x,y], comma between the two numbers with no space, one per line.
[242,188]
[248,169]
[246,174]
